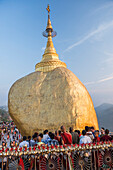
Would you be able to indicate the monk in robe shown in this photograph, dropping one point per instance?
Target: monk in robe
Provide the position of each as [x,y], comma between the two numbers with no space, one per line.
[67,138]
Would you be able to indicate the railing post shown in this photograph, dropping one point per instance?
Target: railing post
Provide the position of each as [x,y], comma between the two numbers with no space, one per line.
[7,164]
[91,159]
[39,162]
[95,160]
[62,156]
[35,162]
[2,164]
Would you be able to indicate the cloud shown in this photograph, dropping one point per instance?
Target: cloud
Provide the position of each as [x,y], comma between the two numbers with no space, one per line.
[103,7]
[89,83]
[100,29]
[109,54]
[106,79]
[108,60]
[99,81]
[43,48]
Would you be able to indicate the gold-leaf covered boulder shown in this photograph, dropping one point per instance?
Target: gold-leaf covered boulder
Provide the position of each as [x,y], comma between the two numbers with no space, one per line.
[48,100]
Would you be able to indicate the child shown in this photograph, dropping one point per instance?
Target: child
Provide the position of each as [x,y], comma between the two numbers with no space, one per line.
[96,139]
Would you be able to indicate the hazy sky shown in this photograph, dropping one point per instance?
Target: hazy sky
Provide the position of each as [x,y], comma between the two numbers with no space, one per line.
[84,41]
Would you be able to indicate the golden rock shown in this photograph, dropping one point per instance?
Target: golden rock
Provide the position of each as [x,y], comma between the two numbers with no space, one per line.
[48,100]
[50,97]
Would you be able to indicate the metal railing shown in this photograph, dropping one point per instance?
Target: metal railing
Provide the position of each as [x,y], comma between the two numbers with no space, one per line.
[74,157]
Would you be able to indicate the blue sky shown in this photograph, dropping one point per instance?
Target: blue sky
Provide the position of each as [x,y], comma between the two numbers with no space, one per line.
[84,41]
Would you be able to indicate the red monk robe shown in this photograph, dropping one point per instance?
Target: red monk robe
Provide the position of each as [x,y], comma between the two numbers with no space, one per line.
[105,138]
[67,138]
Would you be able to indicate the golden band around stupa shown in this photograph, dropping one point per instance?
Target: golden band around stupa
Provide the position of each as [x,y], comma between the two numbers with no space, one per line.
[51,96]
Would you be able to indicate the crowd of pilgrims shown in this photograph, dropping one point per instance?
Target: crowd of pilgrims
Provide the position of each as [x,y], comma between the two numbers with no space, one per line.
[11,137]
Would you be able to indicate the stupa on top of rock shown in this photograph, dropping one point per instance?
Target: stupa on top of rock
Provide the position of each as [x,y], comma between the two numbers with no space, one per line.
[51,96]
[50,59]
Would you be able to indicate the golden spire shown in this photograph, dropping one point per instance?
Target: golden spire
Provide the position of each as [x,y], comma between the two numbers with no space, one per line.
[50,58]
[49,22]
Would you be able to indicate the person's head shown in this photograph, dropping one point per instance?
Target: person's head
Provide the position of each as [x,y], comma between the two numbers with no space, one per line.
[102,130]
[29,137]
[63,129]
[39,139]
[96,133]
[84,132]
[92,129]
[106,131]
[24,138]
[3,143]
[52,136]
[86,128]
[41,135]
[11,144]
[89,129]
[49,134]
[45,132]
[15,142]
[36,134]
[34,137]
[71,129]
[77,131]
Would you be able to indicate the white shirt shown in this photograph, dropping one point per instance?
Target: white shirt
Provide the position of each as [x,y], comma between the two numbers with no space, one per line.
[85,139]
[24,143]
[32,142]
[45,137]
[8,143]
[90,134]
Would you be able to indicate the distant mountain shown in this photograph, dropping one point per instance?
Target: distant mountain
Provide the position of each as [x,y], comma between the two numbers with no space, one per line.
[4,108]
[105,115]
[4,115]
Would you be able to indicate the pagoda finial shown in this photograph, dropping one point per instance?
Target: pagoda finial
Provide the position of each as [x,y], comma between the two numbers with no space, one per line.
[49,33]
[49,30]
[48,9]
